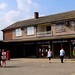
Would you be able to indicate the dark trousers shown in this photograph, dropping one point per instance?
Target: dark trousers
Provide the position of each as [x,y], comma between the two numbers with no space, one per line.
[61,58]
[49,58]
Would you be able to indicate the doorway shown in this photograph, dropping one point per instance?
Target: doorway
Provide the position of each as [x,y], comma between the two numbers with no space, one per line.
[57,45]
[56,49]
[30,51]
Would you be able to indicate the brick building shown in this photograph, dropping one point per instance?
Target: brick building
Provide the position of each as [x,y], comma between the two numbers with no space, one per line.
[33,37]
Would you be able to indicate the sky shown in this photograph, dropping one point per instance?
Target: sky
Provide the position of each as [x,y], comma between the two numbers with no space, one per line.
[12,11]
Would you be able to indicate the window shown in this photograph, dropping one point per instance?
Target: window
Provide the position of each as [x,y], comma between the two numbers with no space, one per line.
[48,28]
[30,30]
[60,27]
[72,23]
[18,32]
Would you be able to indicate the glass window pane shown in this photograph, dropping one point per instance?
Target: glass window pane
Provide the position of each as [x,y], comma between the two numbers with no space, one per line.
[18,32]
[30,30]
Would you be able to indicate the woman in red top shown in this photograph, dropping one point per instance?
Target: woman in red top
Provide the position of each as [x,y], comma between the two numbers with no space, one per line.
[3,58]
[0,57]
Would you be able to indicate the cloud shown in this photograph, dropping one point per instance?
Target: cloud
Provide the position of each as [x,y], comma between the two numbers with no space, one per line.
[23,11]
[7,19]
[3,6]
[27,5]
[24,4]
[11,16]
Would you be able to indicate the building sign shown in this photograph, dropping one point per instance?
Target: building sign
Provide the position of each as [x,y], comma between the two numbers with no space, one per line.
[59,41]
[43,42]
[72,40]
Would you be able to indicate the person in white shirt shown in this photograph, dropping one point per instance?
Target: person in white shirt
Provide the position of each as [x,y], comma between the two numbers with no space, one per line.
[49,55]
[62,53]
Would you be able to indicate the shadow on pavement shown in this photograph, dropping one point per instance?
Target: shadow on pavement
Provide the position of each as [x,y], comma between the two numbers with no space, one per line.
[11,67]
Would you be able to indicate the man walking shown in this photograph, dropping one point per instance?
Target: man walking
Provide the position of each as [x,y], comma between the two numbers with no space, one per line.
[62,53]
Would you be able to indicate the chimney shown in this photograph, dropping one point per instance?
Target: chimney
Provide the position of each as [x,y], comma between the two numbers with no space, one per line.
[36,15]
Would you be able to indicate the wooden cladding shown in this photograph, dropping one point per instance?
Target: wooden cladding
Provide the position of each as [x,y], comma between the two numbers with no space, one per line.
[8,35]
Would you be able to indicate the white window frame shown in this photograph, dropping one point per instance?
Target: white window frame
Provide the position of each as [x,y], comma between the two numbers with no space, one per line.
[18,32]
[30,30]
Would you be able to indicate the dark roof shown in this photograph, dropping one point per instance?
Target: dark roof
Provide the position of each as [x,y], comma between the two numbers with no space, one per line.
[43,19]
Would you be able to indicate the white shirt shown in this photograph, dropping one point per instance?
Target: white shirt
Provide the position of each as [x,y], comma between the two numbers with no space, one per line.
[49,54]
[62,52]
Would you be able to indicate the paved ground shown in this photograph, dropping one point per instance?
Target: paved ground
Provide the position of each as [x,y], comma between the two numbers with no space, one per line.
[38,67]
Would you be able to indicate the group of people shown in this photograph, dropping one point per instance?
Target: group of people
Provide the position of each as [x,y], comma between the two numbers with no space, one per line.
[62,53]
[2,58]
[49,55]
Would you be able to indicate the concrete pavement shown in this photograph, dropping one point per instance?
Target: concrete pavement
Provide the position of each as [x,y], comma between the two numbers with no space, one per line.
[29,66]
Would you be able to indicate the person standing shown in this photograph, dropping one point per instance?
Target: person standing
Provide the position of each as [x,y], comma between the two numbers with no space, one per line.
[49,55]
[3,58]
[0,57]
[62,53]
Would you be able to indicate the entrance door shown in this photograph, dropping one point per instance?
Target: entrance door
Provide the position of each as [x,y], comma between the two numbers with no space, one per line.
[66,47]
[30,51]
[56,49]
[57,45]
[18,51]
[43,49]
